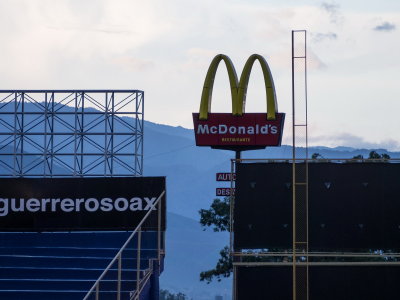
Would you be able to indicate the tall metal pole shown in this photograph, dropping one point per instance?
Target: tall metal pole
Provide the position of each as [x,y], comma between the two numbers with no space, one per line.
[300,166]
[238,155]
[293,177]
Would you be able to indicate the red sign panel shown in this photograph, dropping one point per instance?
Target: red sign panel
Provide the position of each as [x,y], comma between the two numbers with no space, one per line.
[250,131]
[220,192]
[226,176]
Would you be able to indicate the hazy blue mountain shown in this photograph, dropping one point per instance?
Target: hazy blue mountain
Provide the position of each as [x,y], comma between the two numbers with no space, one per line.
[170,151]
[191,250]
[191,170]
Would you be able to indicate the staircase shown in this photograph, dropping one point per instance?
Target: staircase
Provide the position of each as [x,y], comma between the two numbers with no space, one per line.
[65,265]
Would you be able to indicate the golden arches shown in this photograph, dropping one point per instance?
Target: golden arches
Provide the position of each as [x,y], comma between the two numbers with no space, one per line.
[205,104]
[238,90]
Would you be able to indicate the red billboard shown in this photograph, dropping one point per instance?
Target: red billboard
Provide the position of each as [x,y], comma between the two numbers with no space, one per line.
[249,131]
[239,130]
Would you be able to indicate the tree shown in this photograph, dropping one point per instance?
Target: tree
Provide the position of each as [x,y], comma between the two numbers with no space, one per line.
[385,156]
[166,295]
[316,156]
[217,217]
[374,155]
[223,268]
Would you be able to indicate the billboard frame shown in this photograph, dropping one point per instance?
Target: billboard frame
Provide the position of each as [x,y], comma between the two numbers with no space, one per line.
[28,115]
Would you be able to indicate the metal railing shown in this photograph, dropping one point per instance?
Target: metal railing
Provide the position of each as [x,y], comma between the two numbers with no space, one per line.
[140,280]
[316,160]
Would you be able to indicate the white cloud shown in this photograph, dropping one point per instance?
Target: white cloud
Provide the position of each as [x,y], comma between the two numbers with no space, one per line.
[350,140]
[385,26]
[165,47]
[334,12]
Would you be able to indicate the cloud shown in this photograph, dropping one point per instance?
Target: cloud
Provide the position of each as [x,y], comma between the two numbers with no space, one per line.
[333,10]
[320,37]
[135,64]
[104,30]
[350,140]
[385,26]
[313,60]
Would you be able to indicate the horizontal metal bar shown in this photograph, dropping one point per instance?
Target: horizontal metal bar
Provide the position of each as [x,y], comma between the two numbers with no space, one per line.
[278,264]
[314,254]
[70,175]
[72,113]
[71,91]
[133,154]
[57,154]
[310,160]
[72,133]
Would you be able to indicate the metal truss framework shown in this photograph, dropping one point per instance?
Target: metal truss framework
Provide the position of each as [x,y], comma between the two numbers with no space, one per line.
[64,133]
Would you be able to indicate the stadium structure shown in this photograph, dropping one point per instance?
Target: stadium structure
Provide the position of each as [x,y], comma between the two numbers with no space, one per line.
[78,219]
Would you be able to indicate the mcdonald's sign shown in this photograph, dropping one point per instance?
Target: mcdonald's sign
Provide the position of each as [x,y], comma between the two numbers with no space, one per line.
[238,130]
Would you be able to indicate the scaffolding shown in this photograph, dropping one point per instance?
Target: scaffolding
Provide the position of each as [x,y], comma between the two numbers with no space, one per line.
[71,133]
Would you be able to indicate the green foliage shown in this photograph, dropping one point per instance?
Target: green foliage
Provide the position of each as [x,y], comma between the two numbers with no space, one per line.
[316,156]
[385,156]
[166,295]
[217,216]
[375,155]
[223,268]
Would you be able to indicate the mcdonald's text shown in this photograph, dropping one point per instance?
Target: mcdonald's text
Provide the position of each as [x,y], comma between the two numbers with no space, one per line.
[249,131]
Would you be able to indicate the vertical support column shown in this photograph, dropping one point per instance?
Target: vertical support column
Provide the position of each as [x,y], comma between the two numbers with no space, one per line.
[45,145]
[141,133]
[108,134]
[81,134]
[97,291]
[138,98]
[52,129]
[22,133]
[237,159]
[76,141]
[139,246]
[159,235]
[48,135]
[15,137]
[18,168]
[112,131]
[300,166]
[119,276]
[137,136]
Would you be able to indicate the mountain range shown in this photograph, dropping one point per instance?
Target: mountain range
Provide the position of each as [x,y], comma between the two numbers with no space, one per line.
[190,171]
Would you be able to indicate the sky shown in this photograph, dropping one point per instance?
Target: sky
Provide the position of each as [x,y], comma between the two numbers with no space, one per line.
[165,48]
